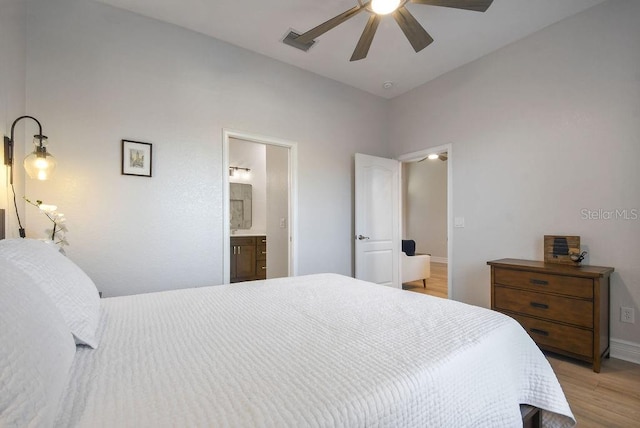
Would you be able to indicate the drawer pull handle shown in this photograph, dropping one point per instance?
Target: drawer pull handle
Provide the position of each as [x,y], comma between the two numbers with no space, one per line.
[540,332]
[263,268]
[264,252]
[539,281]
[264,241]
[539,305]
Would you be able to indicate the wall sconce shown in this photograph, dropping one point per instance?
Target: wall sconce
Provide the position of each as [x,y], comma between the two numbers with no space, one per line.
[237,172]
[40,164]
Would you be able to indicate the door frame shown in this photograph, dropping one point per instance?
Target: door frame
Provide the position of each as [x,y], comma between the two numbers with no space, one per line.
[421,154]
[293,196]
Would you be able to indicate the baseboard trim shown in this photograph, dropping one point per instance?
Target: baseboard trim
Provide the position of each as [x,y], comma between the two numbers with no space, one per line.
[624,350]
[439,260]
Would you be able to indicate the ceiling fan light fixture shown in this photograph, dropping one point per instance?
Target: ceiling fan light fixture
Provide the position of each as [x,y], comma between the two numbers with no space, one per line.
[413,31]
[384,7]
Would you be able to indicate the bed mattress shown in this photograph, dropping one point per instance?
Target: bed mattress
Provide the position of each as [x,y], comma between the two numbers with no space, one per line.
[321,351]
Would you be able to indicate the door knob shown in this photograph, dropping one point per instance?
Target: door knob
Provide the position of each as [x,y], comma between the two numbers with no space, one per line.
[360,237]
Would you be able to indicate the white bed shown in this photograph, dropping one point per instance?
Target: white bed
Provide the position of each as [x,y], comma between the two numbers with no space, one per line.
[321,350]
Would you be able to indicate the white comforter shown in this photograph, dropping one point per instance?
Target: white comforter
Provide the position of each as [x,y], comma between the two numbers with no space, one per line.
[321,350]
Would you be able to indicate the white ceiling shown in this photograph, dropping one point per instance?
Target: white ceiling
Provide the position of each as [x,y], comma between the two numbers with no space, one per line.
[460,36]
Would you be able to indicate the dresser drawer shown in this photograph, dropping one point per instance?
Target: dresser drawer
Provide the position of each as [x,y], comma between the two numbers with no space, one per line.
[261,269]
[555,308]
[567,285]
[261,251]
[243,240]
[549,335]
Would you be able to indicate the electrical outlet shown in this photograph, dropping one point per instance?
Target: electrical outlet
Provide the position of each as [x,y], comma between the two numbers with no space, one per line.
[627,315]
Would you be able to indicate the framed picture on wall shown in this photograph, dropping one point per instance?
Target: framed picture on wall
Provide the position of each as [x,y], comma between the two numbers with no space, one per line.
[136,158]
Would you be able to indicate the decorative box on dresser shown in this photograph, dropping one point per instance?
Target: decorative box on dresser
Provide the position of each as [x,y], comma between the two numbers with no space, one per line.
[564,308]
[248,258]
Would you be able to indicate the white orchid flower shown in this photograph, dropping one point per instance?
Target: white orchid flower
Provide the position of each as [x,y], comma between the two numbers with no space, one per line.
[57,233]
[48,208]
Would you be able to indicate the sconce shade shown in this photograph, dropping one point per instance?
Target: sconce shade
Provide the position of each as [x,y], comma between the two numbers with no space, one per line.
[40,164]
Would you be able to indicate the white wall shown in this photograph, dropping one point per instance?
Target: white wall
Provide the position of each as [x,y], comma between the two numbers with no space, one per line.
[541,130]
[425,206]
[96,75]
[245,154]
[12,104]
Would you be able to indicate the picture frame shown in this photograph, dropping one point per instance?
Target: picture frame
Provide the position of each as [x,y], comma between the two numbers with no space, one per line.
[136,158]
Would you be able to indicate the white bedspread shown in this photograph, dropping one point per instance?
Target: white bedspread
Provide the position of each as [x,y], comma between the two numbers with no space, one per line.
[320,350]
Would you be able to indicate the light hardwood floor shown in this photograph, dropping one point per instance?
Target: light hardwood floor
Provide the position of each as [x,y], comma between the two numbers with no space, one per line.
[608,399]
[436,285]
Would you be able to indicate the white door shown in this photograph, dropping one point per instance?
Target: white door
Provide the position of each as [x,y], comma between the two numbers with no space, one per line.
[377,220]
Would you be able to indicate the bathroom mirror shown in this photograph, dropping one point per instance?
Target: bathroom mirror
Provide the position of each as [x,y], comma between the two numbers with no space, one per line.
[240,203]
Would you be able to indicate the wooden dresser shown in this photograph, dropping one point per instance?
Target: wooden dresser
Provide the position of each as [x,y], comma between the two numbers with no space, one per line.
[248,258]
[565,309]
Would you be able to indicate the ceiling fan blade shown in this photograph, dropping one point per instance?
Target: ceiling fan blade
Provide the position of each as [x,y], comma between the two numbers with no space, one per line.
[476,5]
[362,48]
[328,25]
[418,36]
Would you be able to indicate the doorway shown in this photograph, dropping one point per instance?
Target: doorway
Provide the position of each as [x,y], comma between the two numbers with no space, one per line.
[259,202]
[426,210]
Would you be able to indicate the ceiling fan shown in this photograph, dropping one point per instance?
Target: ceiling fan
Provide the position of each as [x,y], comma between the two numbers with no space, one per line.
[415,33]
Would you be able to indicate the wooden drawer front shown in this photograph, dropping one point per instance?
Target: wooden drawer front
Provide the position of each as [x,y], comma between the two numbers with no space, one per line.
[557,308]
[567,285]
[548,334]
[261,269]
[249,240]
[261,249]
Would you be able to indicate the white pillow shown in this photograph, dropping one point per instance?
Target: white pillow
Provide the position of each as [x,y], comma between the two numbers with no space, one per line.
[36,352]
[66,284]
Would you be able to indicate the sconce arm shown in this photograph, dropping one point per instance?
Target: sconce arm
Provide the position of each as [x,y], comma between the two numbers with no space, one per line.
[9,142]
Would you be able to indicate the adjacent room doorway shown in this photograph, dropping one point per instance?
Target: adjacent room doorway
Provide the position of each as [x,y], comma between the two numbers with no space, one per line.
[426,213]
[263,171]
[380,220]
